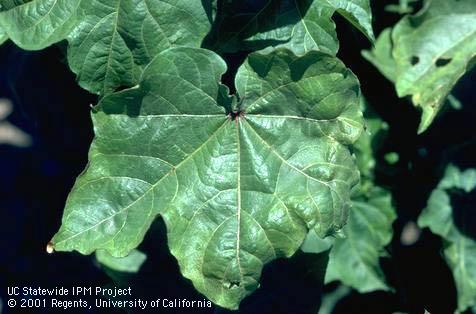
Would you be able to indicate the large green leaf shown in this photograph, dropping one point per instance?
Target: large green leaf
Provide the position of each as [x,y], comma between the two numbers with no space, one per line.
[456,227]
[110,41]
[236,189]
[426,59]
[299,25]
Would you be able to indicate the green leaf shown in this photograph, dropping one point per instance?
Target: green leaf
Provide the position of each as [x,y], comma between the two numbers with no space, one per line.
[110,41]
[365,147]
[403,7]
[116,39]
[381,55]
[331,299]
[128,264]
[354,257]
[37,24]
[3,36]
[425,60]
[298,25]
[355,260]
[430,58]
[392,158]
[236,189]
[315,244]
[460,246]
[358,13]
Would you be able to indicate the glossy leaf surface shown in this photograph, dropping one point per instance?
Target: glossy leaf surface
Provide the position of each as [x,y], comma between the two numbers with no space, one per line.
[298,25]
[110,41]
[238,185]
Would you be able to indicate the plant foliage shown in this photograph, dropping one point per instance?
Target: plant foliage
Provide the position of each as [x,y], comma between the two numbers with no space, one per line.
[247,170]
[427,53]
[452,221]
[233,193]
[354,256]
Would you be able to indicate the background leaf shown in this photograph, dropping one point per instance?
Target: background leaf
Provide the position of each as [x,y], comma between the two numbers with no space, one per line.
[423,58]
[456,225]
[355,260]
[381,55]
[128,264]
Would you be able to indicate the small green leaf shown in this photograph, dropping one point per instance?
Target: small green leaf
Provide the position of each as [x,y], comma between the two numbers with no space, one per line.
[127,264]
[315,244]
[460,246]
[236,189]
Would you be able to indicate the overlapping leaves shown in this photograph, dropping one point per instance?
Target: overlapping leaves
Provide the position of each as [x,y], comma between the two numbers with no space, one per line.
[430,52]
[236,189]
[455,223]
[298,25]
[110,41]
[238,184]
[354,257]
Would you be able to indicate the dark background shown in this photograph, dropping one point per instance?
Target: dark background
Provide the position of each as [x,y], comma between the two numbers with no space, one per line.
[35,181]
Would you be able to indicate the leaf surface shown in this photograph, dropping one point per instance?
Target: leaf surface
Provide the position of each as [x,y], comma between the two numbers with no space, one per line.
[3,36]
[236,189]
[110,41]
[427,53]
[127,264]
[355,260]
[381,55]
[455,224]
[38,24]
[298,25]
[357,12]
[354,257]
